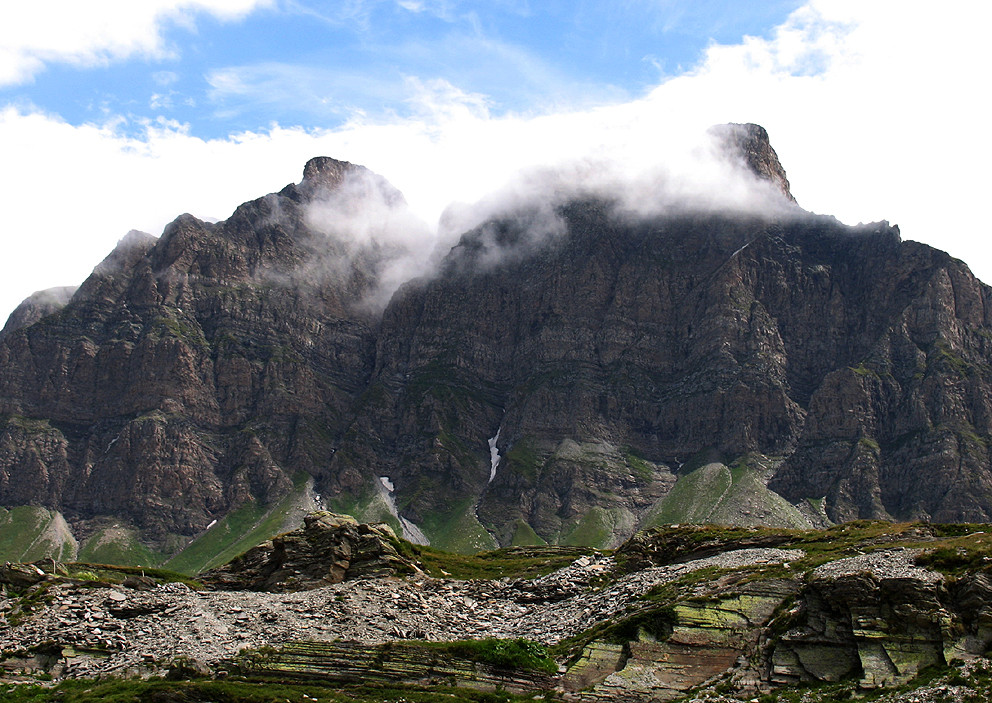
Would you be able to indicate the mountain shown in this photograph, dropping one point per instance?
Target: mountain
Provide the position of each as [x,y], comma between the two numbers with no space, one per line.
[574,367]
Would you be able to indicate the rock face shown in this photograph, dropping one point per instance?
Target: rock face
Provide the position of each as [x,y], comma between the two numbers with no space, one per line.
[561,370]
[327,549]
[750,144]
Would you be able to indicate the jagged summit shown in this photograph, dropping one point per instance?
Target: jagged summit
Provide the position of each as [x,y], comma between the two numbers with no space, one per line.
[324,176]
[750,143]
[328,172]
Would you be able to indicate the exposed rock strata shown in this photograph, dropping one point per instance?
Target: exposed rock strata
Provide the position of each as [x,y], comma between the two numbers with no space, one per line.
[327,549]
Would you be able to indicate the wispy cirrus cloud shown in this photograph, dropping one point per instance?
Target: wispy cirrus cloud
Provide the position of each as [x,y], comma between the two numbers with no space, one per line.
[290,92]
[390,78]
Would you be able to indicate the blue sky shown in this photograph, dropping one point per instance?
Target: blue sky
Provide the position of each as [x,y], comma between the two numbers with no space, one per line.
[319,64]
[117,114]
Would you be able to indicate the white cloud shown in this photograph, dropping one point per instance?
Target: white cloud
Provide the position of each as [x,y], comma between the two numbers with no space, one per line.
[165,78]
[876,110]
[892,124]
[96,32]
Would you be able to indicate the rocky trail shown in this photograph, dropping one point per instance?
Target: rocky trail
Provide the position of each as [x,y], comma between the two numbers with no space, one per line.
[674,612]
[131,629]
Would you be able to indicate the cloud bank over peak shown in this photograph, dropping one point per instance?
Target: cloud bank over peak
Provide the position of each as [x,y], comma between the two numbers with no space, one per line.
[868,125]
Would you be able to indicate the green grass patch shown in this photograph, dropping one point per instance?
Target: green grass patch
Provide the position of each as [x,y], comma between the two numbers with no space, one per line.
[869,444]
[726,495]
[524,459]
[191,333]
[524,535]
[459,530]
[28,425]
[235,533]
[29,533]
[863,370]
[944,356]
[956,560]
[694,497]
[503,653]
[371,506]
[594,529]
[637,465]
[117,546]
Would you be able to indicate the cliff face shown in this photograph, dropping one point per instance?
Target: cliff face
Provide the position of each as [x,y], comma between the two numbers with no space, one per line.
[563,368]
[621,351]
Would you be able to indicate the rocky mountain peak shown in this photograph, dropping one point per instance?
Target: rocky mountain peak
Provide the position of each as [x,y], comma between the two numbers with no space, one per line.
[324,176]
[750,143]
[327,172]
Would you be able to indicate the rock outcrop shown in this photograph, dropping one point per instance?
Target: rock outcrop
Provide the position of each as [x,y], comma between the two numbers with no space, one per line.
[327,549]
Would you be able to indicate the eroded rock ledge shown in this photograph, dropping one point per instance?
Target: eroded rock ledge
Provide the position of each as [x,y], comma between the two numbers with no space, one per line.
[328,549]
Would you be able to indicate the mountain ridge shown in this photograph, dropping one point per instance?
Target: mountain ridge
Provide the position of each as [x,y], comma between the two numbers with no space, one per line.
[602,353]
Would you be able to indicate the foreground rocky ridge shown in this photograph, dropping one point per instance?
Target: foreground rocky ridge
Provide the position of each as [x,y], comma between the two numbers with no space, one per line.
[674,611]
[572,372]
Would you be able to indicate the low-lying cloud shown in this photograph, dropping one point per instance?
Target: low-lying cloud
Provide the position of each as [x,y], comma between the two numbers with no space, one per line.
[364,220]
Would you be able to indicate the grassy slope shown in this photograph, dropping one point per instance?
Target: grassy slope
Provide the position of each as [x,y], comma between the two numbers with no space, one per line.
[718,494]
[29,533]
[237,532]
[597,528]
[525,536]
[118,546]
[459,531]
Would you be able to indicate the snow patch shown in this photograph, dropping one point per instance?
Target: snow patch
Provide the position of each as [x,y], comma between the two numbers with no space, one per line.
[411,533]
[494,456]
[112,443]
